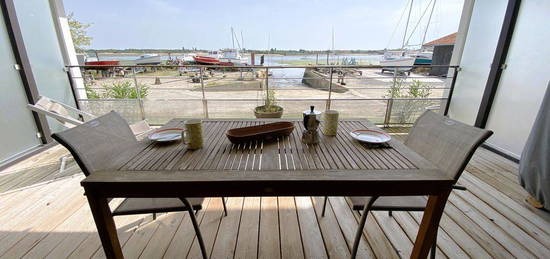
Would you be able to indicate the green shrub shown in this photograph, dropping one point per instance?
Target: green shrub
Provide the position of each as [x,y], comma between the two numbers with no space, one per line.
[90,93]
[125,90]
[404,111]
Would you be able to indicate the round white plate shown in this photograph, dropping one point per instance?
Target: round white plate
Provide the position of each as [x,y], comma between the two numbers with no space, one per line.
[370,136]
[166,135]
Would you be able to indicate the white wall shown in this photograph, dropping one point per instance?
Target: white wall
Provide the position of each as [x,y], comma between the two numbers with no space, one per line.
[477,56]
[524,81]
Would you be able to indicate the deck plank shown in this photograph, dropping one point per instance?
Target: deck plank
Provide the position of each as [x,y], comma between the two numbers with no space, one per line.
[291,239]
[247,240]
[269,242]
[225,244]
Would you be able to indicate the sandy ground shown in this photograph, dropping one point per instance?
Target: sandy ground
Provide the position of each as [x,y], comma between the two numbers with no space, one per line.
[232,95]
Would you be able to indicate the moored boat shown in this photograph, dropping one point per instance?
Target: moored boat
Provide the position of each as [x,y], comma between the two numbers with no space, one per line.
[148,59]
[102,63]
[422,58]
[206,60]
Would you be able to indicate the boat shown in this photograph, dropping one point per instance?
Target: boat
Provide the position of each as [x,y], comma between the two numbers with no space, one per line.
[402,61]
[206,60]
[148,59]
[189,57]
[406,57]
[234,57]
[397,58]
[422,58]
[102,63]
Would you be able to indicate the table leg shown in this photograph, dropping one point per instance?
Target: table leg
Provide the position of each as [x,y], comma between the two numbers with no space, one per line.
[430,222]
[105,225]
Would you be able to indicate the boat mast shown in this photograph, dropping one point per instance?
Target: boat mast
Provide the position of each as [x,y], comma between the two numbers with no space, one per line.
[428,25]
[407,26]
[242,40]
[332,39]
[232,37]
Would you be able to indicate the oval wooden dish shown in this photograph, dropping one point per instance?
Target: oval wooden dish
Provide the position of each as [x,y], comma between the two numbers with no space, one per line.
[265,132]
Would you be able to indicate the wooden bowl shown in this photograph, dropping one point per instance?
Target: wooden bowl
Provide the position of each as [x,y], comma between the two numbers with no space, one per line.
[265,132]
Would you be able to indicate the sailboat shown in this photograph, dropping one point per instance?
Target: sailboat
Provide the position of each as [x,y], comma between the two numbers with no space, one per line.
[233,55]
[408,58]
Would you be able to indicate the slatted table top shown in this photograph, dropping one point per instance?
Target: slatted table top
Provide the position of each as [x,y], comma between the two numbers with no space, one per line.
[285,153]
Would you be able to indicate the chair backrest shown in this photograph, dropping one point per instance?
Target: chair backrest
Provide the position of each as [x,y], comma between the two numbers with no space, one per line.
[447,143]
[104,143]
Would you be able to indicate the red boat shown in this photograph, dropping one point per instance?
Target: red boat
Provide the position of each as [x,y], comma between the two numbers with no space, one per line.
[206,60]
[210,61]
[102,63]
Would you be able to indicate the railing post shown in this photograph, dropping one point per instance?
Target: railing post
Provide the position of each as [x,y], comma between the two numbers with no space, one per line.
[266,84]
[138,90]
[448,103]
[204,101]
[389,105]
[329,100]
[387,116]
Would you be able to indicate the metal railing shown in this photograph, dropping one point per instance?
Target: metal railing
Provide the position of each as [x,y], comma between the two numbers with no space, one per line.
[158,93]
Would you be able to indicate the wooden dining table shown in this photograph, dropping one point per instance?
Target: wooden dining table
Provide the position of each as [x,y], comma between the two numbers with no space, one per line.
[337,166]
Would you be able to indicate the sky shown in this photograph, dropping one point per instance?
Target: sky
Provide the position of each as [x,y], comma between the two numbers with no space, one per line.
[283,24]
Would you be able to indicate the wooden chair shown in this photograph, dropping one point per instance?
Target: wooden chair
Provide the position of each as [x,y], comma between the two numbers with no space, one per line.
[106,143]
[446,143]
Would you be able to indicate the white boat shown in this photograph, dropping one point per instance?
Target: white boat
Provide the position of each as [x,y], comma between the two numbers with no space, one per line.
[188,58]
[397,58]
[148,59]
[233,56]
[400,61]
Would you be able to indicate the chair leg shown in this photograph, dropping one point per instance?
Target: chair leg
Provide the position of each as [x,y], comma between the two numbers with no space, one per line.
[359,232]
[324,206]
[434,246]
[224,207]
[63,163]
[389,213]
[154,216]
[196,227]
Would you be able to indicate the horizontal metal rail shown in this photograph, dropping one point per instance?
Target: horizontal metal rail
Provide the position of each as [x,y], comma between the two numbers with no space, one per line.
[256,67]
[278,99]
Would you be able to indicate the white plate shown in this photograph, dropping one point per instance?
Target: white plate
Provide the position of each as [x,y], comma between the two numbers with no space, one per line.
[370,136]
[166,135]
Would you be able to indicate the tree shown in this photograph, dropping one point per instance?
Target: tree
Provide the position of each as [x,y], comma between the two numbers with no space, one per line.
[79,33]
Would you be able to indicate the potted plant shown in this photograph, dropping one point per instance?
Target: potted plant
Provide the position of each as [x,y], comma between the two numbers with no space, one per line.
[269,109]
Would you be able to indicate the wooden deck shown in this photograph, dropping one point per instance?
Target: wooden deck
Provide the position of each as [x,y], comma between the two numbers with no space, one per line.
[44,214]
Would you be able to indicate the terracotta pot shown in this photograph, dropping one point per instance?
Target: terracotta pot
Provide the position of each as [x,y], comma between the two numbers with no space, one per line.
[262,114]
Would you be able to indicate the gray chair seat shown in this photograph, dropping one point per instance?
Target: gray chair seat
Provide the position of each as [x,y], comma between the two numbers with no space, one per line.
[391,203]
[132,206]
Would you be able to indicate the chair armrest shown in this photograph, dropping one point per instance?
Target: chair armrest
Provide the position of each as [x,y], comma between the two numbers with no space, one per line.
[459,187]
[79,112]
[56,116]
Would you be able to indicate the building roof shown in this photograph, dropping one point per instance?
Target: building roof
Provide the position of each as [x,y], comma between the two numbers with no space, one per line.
[446,40]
